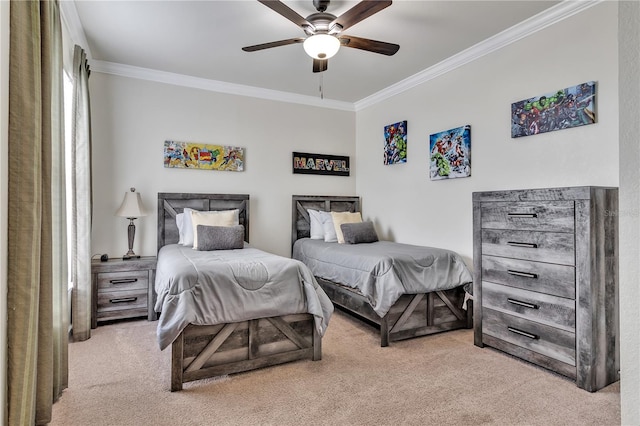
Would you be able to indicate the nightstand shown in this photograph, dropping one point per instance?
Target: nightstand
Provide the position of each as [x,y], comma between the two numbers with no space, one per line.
[123,289]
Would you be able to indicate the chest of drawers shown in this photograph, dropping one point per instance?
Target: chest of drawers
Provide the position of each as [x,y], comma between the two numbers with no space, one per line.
[546,279]
[123,289]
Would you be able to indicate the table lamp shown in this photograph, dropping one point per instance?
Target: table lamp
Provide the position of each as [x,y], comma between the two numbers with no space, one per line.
[132,209]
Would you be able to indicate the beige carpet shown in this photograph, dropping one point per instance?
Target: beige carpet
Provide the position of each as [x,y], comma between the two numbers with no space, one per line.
[120,377]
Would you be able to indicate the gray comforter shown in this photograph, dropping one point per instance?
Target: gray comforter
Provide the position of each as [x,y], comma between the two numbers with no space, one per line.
[383,271]
[222,286]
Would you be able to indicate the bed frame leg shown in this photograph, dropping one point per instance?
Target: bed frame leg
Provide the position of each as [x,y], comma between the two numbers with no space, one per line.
[384,332]
[469,313]
[317,344]
[176,363]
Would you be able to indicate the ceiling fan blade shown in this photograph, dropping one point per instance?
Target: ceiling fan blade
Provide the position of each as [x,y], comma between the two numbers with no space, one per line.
[375,46]
[320,65]
[278,43]
[357,13]
[286,11]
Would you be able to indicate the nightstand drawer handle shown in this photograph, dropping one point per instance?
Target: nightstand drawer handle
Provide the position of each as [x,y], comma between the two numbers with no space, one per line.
[123,300]
[524,215]
[517,244]
[522,274]
[521,303]
[523,333]
[124,281]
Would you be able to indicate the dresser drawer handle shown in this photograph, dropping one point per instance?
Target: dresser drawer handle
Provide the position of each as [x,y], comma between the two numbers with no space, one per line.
[521,303]
[123,300]
[517,244]
[523,333]
[523,215]
[522,274]
[124,281]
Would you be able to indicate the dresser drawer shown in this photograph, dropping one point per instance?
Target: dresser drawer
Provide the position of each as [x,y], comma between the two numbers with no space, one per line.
[549,278]
[543,308]
[121,300]
[127,280]
[546,340]
[551,247]
[557,216]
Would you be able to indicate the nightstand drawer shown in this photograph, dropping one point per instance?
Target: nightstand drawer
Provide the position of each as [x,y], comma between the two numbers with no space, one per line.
[123,300]
[550,247]
[543,308]
[559,280]
[543,339]
[118,281]
[555,216]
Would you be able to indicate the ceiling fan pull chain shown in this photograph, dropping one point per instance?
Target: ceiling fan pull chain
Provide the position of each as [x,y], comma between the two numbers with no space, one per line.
[321,87]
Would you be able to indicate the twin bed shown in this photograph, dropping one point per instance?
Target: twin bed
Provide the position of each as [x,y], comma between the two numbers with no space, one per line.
[228,311]
[406,290]
[225,311]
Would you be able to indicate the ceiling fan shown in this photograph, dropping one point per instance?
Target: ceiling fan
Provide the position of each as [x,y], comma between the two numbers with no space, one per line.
[324,31]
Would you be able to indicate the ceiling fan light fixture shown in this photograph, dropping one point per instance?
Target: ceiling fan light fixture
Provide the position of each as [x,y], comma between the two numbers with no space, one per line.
[321,46]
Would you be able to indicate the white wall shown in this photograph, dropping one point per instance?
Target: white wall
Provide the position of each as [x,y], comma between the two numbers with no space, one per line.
[408,207]
[629,36]
[132,118]
[4,194]
[401,198]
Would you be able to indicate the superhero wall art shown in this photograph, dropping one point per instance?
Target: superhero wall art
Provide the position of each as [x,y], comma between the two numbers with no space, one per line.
[194,155]
[395,143]
[450,152]
[563,109]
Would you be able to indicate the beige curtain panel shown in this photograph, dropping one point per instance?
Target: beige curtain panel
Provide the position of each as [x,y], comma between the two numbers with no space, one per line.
[37,326]
[81,197]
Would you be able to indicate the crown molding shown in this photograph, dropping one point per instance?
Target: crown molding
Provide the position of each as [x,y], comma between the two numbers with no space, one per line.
[523,29]
[214,85]
[553,15]
[70,17]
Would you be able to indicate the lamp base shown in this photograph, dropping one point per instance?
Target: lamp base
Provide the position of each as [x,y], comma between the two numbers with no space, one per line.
[131,233]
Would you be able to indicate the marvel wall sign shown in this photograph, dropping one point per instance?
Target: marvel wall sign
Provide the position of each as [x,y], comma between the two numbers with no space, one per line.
[320,164]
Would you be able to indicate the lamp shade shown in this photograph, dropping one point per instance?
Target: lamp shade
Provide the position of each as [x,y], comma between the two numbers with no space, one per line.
[321,46]
[131,206]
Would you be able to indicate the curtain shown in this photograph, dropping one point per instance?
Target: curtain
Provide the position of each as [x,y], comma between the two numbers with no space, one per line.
[36,271]
[81,198]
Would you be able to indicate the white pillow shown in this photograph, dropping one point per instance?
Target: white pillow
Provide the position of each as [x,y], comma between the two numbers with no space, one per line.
[315,221]
[179,223]
[212,218]
[328,228]
[186,229]
[344,217]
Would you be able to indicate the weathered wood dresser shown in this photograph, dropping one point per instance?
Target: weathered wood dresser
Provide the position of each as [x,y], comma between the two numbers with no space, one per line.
[546,279]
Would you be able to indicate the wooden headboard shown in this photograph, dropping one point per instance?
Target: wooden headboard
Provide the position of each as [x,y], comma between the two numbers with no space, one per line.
[170,204]
[300,227]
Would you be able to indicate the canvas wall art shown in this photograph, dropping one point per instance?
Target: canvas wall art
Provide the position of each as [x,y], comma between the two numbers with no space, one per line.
[563,109]
[395,143]
[450,153]
[193,155]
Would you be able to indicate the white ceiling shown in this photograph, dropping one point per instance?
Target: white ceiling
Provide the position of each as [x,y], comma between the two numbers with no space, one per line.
[203,39]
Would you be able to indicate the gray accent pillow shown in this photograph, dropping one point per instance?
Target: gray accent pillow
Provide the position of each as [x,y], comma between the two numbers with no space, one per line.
[361,232]
[220,237]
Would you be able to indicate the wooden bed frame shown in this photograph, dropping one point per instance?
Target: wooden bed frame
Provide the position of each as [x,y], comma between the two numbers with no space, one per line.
[203,351]
[412,315]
